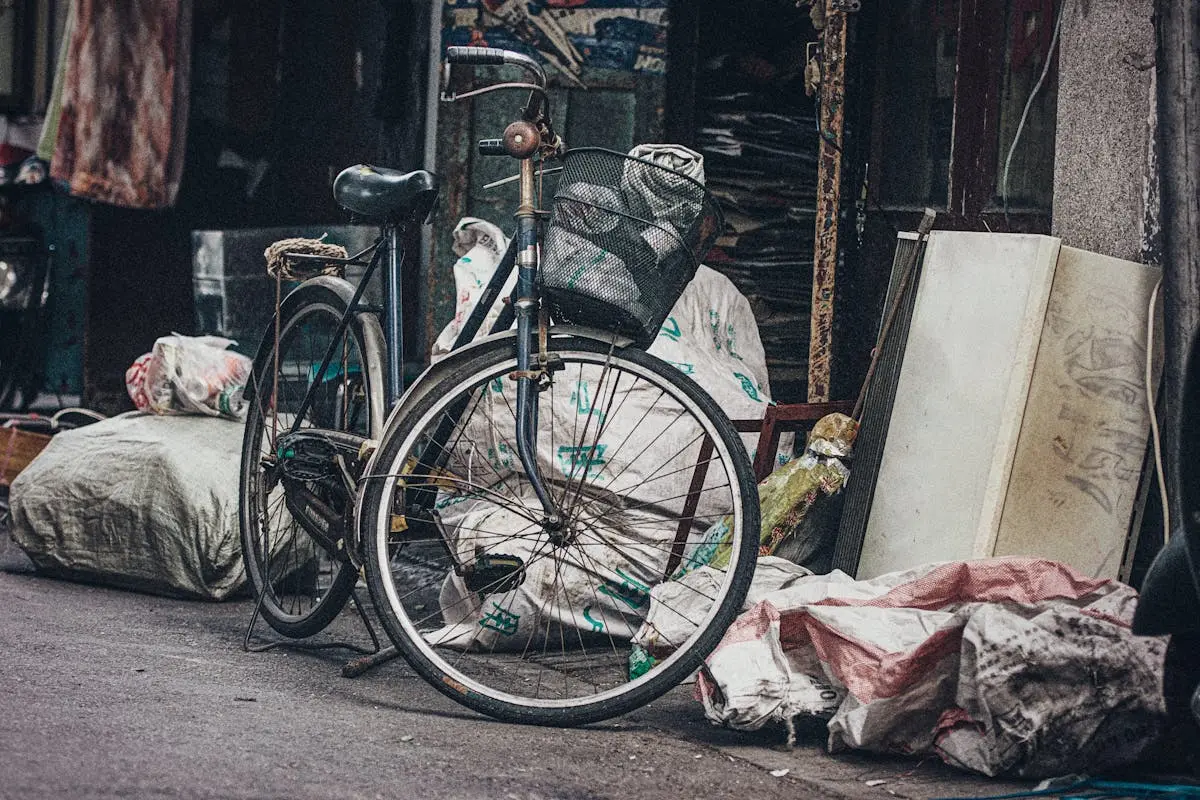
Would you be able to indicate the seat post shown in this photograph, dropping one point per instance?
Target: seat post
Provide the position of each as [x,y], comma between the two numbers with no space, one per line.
[393,313]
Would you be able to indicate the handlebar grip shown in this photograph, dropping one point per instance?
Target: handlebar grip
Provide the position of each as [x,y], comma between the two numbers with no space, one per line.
[492,147]
[475,55]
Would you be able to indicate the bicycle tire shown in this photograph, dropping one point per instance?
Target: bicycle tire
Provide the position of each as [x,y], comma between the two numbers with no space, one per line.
[306,585]
[618,538]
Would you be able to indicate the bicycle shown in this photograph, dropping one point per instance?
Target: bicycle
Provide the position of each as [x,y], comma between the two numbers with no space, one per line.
[555,526]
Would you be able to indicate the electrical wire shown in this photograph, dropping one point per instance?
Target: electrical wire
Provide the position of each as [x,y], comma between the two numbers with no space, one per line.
[1012,148]
[53,422]
[81,411]
[1150,401]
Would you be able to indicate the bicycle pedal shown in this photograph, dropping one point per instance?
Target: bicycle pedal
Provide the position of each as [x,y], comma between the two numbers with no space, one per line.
[495,574]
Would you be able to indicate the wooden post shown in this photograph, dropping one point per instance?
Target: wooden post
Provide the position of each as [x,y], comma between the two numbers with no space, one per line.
[829,194]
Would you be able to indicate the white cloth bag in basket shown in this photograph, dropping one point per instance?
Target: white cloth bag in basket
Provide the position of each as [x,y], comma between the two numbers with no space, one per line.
[654,185]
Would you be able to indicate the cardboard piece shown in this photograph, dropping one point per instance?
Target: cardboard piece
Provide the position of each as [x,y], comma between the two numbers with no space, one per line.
[17,449]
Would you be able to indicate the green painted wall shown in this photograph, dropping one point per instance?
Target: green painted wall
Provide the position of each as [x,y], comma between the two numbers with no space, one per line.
[65,224]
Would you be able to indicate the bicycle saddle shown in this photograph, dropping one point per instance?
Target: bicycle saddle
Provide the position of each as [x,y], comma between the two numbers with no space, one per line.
[383,195]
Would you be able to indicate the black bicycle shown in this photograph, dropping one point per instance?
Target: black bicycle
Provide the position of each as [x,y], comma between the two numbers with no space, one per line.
[555,526]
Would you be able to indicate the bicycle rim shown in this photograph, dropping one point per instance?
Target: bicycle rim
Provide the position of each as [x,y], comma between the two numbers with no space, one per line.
[570,624]
[306,585]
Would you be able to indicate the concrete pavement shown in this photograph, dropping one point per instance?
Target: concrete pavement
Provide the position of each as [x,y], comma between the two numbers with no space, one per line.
[115,694]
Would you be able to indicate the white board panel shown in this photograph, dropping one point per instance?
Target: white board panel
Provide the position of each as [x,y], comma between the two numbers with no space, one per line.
[1079,458]
[959,400]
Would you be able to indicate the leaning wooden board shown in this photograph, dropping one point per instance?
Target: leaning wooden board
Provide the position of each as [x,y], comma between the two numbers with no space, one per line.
[1083,440]
[1018,426]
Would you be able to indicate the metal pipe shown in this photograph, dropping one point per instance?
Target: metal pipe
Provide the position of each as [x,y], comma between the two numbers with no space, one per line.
[393,317]
[829,193]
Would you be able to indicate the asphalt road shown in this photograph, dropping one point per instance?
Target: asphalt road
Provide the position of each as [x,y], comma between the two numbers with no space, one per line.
[111,694]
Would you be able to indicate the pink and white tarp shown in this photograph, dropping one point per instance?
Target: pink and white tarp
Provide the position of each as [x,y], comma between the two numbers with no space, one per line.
[1004,666]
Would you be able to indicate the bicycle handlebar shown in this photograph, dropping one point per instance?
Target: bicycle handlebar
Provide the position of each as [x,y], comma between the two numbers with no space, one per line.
[474,55]
[496,57]
[538,108]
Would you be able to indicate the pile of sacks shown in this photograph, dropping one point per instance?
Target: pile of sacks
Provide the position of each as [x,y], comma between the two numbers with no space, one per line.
[1015,666]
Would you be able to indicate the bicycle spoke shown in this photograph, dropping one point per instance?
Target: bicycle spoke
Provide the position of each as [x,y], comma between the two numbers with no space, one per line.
[553,628]
[653,503]
[591,413]
[650,444]
[592,404]
[479,394]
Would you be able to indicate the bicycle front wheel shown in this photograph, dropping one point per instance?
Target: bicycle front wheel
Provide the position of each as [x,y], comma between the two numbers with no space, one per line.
[304,582]
[570,619]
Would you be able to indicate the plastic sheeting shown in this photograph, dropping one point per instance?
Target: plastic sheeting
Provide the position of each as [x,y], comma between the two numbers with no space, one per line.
[1003,666]
[479,246]
[137,501]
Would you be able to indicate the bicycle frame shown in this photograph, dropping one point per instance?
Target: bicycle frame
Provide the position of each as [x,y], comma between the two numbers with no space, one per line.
[523,252]
[525,305]
[389,244]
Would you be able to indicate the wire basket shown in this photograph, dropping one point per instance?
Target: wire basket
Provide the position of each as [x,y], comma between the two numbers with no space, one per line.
[625,237]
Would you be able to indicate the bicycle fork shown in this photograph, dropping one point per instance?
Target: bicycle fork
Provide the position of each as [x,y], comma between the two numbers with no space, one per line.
[529,374]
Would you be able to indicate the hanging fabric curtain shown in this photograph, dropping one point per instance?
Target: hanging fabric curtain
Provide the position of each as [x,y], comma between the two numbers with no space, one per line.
[123,111]
[49,138]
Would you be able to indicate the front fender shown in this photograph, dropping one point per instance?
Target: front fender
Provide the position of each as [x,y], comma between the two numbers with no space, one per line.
[451,363]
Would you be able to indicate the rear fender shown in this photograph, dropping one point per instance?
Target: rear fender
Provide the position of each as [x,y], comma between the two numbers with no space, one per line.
[373,340]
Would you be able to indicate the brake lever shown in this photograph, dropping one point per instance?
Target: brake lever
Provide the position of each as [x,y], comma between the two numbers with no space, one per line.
[495,87]
[552,144]
[511,178]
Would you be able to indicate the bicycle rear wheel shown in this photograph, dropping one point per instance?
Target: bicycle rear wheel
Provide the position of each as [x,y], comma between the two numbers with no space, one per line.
[304,583]
[535,622]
